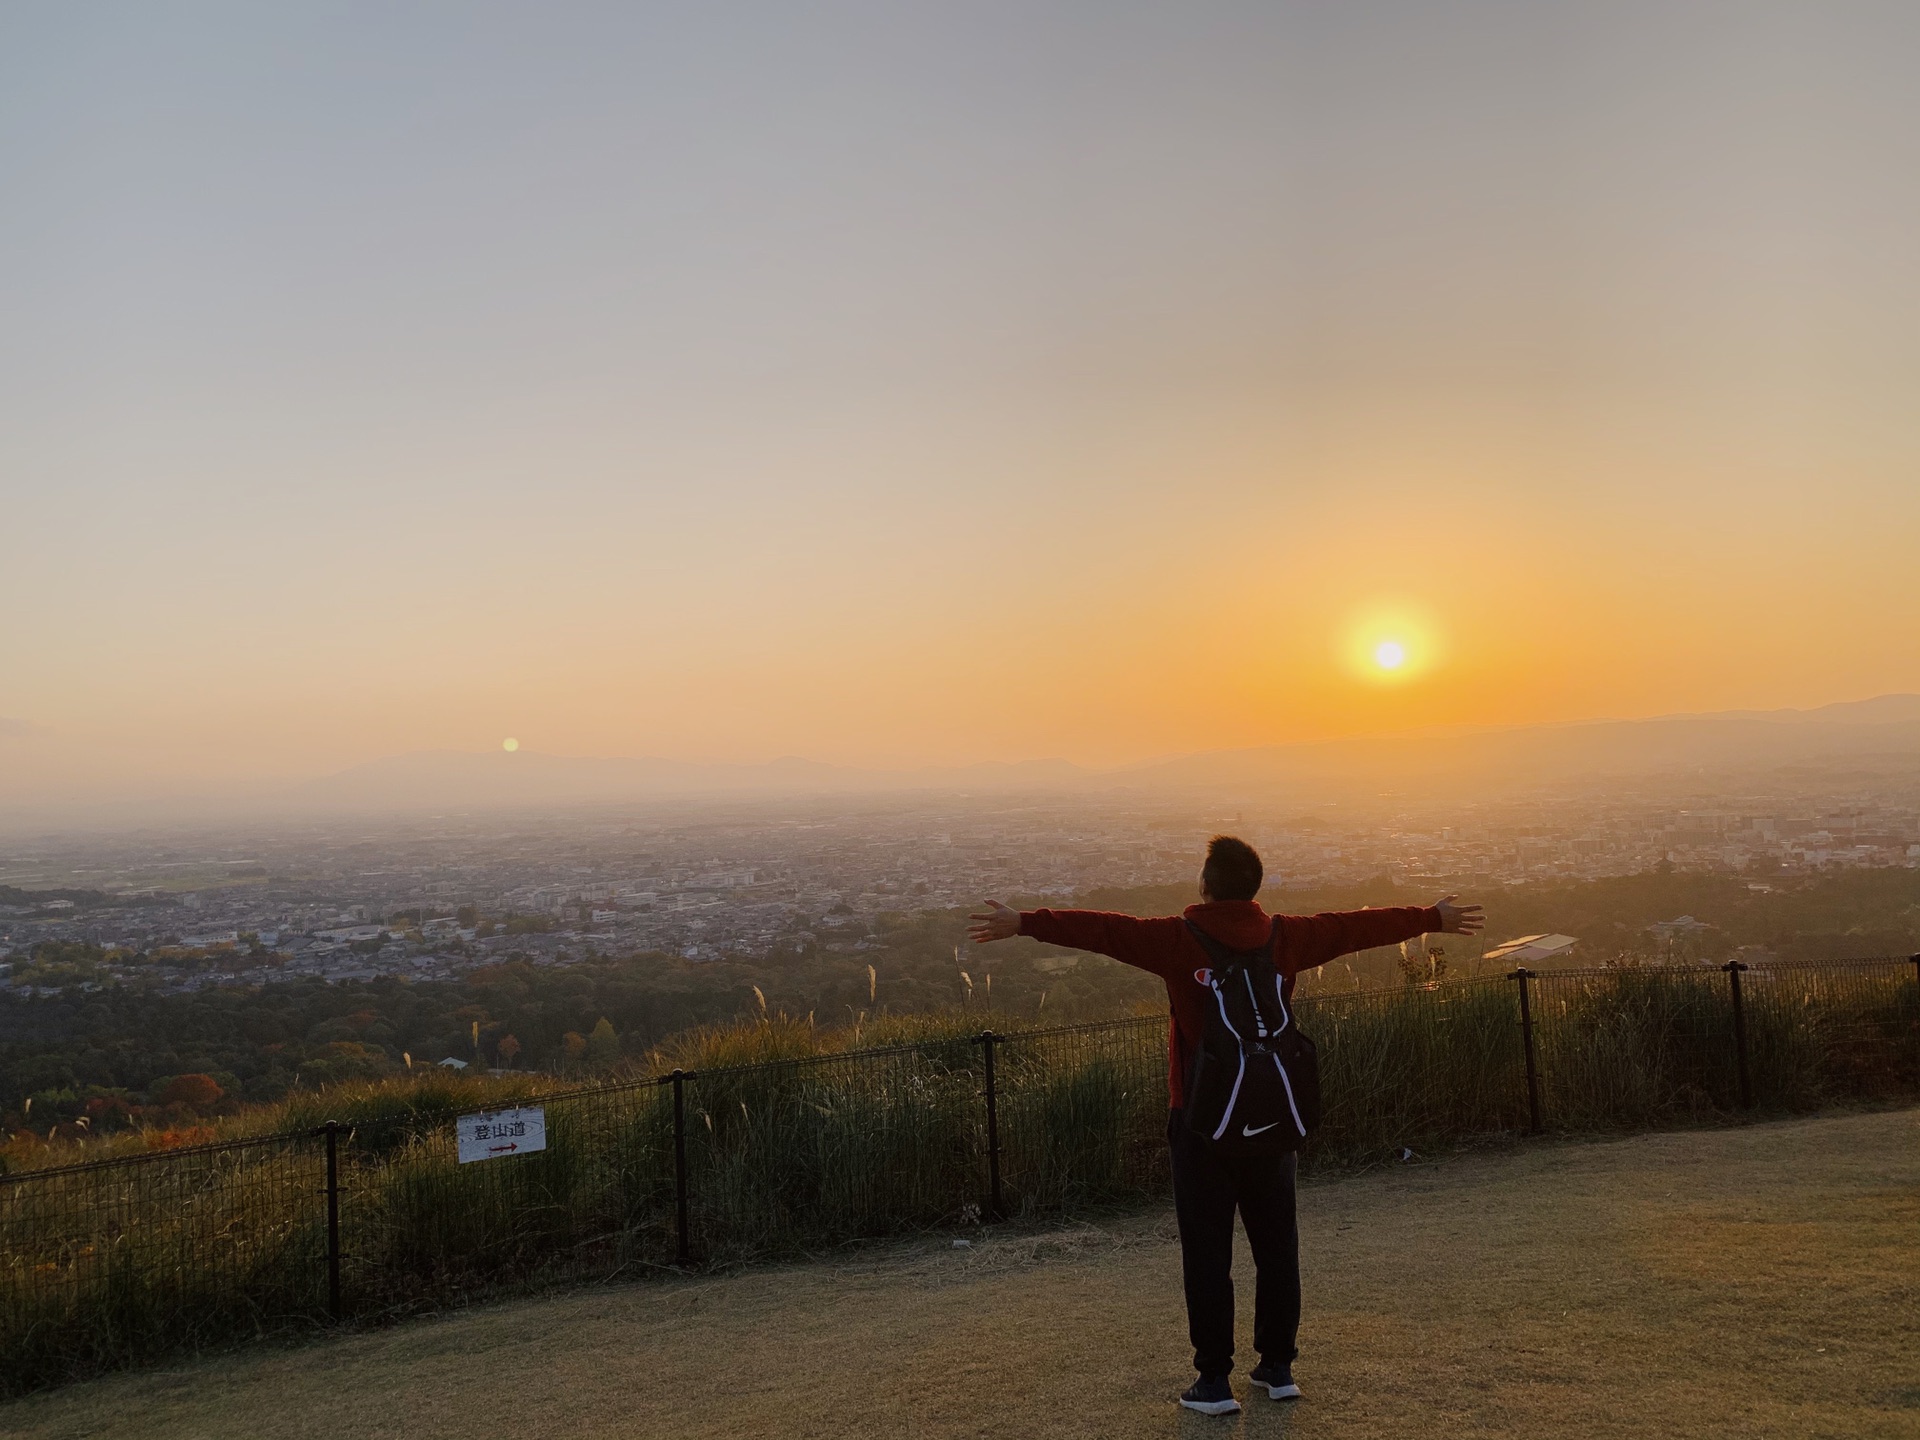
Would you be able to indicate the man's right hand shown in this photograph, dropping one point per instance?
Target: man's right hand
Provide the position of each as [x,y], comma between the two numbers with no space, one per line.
[997,922]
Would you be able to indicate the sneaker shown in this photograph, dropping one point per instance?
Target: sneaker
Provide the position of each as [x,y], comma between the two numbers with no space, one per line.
[1278,1378]
[1210,1395]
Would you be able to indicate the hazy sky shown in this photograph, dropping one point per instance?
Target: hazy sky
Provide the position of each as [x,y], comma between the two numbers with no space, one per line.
[901,383]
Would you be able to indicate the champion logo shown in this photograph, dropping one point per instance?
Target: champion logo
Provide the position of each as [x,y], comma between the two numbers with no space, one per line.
[1203,977]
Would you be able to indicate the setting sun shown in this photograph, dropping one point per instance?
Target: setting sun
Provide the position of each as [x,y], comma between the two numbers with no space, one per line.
[1393,641]
[509,744]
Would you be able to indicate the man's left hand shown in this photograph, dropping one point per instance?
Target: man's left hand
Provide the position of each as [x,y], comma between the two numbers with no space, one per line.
[1458,919]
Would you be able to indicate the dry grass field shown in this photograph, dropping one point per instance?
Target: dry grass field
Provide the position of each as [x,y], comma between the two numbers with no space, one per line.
[1741,1282]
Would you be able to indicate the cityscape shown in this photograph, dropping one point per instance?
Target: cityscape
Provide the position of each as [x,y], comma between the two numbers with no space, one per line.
[433,898]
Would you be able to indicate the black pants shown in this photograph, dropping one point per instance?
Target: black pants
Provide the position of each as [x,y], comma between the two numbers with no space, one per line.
[1207,1188]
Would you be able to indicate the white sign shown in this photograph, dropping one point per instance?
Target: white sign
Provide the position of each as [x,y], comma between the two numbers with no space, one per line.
[501,1132]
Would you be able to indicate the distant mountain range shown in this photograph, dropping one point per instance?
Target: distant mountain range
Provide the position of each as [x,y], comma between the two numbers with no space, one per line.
[1874,735]
[463,777]
[1866,737]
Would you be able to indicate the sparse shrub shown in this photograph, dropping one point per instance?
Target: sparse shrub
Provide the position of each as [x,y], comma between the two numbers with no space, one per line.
[344,1061]
[603,1046]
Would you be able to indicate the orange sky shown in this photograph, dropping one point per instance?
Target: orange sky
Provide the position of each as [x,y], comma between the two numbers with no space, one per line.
[928,389]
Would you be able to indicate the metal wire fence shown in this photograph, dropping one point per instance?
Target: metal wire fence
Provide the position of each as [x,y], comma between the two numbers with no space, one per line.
[113,1263]
[1634,1048]
[832,1148]
[419,1229]
[110,1264]
[1816,1031]
[1079,1115]
[1414,1068]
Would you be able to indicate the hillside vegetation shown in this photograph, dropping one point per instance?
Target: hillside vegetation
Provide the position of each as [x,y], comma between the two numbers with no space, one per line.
[88,1062]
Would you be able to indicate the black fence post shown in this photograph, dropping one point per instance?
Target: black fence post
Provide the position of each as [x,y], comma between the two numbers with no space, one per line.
[1733,969]
[987,1041]
[332,1131]
[682,1236]
[1533,1068]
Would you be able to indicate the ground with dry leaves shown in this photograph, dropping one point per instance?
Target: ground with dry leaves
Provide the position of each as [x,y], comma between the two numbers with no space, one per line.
[1755,1281]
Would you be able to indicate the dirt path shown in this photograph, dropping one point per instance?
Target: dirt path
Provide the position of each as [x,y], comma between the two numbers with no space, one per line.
[1762,1281]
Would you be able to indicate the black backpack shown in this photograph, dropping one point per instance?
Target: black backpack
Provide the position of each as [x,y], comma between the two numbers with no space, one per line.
[1254,1086]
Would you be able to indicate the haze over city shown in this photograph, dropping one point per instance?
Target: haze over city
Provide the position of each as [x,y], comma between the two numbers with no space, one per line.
[897,388]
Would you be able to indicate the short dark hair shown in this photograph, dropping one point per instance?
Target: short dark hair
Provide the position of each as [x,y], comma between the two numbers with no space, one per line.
[1233,870]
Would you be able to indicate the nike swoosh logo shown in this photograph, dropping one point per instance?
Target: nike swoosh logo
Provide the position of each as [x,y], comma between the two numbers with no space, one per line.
[1249,1131]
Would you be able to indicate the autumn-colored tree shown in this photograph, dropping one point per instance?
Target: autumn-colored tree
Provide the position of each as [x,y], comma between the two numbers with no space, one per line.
[508,1048]
[573,1045]
[196,1092]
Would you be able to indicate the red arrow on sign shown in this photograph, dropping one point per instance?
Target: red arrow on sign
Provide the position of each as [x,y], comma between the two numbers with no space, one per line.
[496,1149]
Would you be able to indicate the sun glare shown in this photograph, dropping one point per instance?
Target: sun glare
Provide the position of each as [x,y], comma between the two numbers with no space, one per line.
[1391,642]
[509,744]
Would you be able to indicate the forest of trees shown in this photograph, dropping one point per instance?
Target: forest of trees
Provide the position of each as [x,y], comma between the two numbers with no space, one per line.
[126,1053]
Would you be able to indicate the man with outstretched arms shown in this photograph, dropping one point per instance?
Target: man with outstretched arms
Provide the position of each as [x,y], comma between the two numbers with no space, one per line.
[1210,1181]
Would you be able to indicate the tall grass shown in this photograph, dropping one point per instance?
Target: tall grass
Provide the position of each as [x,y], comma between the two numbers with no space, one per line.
[1638,1049]
[387,1114]
[420,1229]
[822,1151]
[1820,1033]
[1416,1068]
[108,1265]
[1635,1049]
[795,1139]
[1083,1116]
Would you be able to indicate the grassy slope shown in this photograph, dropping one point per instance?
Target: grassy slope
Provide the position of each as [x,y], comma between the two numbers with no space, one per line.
[430,1096]
[1758,1281]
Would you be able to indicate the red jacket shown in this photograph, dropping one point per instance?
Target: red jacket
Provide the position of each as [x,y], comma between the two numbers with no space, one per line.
[1165,947]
